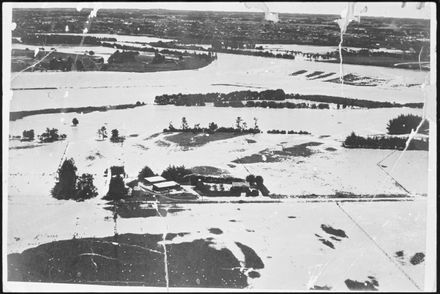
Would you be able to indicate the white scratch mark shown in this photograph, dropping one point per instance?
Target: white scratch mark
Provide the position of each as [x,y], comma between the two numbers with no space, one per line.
[96,254]
[347,16]
[268,15]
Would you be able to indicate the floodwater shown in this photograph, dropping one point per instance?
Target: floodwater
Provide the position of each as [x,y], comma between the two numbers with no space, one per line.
[288,237]
[226,74]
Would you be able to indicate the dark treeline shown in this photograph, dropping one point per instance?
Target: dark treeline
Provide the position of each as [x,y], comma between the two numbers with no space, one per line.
[14,115]
[240,127]
[208,56]
[212,130]
[234,99]
[257,53]
[35,39]
[344,102]
[379,142]
[291,132]
[174,45]
[404,124]
[194,178]
[271,104]
[124,56]
[201,99]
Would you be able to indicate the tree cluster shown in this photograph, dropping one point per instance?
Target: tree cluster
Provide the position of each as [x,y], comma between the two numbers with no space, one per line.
[28,135]
[115,138]
[343,102]
[51,135]
[399,143]
[70,186]
[63,39]
[404,124]
[271,104]
[124,56]
[240,127]
[236,96]
[176,173]
[291,132]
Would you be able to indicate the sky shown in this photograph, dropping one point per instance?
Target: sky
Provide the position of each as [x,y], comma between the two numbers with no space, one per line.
[386,9]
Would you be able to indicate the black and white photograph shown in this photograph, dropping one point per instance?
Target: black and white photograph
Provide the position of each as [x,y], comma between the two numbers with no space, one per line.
[219,146]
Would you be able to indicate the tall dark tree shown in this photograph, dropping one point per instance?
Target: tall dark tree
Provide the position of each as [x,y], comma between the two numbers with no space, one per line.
[213,127]
[176,173]
[75,121]
[28,135]
[66,185]
[117,189]
[79,65]
[145,173]
[250,179]
[85,189]
[115,136]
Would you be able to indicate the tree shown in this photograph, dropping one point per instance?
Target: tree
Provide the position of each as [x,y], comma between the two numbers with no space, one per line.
[69,63]
[184,123]
[259,180]
[171,127]
[102,133]
[117,189]
[176,173]
[28,135]
[256,124]
[238,123]
[115,136]
[145,173]
[213,127]
[75,121]
[115,133]
[79,65]
[51,135]
[85,189]
[65,187]
[250,179]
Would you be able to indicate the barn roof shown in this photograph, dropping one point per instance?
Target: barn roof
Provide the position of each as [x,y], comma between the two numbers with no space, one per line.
[166,184]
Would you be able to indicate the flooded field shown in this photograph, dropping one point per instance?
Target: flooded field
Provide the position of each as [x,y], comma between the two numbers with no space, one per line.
[292,244]
[226,74]
[306,241]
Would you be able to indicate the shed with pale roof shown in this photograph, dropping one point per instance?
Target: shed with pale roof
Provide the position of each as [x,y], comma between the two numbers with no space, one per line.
[163,186]
[153,180]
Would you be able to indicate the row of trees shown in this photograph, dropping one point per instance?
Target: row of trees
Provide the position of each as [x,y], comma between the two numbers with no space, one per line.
[124,56]
[115,137]
[376,142]
[271,104]
[71,186]
[208,56]
[200,99]
[236,98]
[62,39]
[291,132]
[50,135]
[344,102]
[240,126]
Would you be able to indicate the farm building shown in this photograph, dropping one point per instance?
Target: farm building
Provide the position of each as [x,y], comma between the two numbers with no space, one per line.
[153,180]
[164,186]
